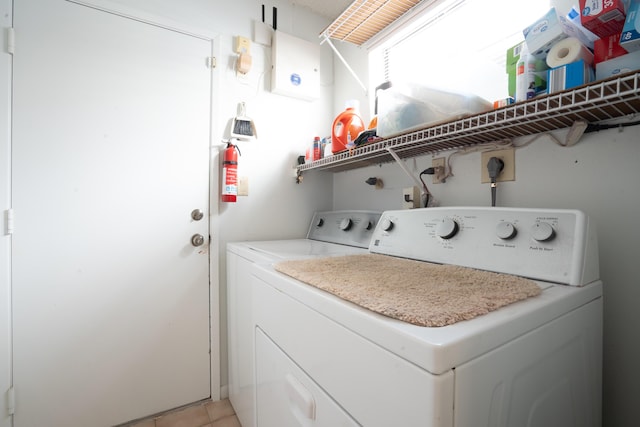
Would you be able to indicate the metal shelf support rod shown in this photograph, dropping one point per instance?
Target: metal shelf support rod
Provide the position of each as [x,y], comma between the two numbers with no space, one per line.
[344,61]
[423,190]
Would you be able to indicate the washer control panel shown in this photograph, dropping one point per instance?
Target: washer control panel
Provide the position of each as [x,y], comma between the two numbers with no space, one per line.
[552,245]
[353,228]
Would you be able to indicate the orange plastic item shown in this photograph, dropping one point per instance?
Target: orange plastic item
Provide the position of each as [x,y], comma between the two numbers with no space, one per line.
[346,128]
[373,123]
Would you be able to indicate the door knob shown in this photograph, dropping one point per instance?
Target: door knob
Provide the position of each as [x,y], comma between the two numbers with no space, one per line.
[197,214]
[197,240]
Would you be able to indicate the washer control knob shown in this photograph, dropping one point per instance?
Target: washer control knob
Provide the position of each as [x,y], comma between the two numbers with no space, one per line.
[506,230]
[543,232]
[386,224]
[346,224]
[320,222]
[370,225]
[447,228]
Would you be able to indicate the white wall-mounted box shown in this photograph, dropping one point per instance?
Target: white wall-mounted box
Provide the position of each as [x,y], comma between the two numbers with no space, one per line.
[296,67]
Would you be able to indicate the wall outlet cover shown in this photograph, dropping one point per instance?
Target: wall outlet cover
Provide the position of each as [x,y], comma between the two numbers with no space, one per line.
[243,186]
[438,164]
[508,156]
[410,197]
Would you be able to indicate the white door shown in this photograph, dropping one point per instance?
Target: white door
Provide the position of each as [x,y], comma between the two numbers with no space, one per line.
[111,120]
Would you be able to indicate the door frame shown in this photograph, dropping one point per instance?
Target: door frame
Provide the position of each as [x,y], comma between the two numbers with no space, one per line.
[6,328]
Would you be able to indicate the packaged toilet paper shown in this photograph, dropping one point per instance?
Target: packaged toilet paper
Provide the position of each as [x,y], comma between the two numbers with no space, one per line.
[569,76]
[567,51]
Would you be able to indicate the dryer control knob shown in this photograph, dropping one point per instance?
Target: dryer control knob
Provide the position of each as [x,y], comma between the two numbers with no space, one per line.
[506,230]
[543,232]
[346,224]
[320,222]
[386,224]
[447,228]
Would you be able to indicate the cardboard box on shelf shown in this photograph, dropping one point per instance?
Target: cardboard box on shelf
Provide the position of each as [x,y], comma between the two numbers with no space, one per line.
[617,66]
[513,55]
[543,34]
[607,48]
[549,30]
[630,37]
[603,18]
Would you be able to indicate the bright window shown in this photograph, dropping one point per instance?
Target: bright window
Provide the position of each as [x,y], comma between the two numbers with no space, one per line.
[460,46]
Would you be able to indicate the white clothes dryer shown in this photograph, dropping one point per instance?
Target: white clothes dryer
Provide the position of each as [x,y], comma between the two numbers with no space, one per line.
[330,233]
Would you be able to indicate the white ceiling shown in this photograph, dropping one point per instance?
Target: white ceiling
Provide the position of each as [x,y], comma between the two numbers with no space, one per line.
[328,8]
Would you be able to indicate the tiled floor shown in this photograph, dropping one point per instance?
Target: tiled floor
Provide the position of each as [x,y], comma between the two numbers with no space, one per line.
[202,414]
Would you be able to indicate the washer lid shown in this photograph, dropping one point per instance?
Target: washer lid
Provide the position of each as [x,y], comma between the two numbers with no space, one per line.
[302,248]
[276,250]
[439,349]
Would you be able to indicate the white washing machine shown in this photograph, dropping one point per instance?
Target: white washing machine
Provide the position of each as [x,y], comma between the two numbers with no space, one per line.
[325,361]
[330,233]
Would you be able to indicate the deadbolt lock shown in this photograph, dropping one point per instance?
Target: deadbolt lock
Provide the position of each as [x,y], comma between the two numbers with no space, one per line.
[197,214]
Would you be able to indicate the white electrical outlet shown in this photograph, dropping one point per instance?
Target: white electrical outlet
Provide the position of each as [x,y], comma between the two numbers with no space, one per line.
[243,186]
[410,197]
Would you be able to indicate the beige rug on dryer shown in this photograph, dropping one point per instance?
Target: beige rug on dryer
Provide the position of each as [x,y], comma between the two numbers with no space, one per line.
[417,292]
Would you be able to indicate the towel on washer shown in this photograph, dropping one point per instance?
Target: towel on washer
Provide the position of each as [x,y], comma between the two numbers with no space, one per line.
[417,292]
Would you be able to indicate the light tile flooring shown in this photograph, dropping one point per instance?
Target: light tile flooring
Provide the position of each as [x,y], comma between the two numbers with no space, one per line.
[201,414]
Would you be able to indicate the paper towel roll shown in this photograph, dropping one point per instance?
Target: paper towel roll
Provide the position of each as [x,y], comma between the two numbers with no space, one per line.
[567,51]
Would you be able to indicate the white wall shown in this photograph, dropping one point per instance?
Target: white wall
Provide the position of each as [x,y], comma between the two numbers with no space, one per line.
[599,175]
[276,207]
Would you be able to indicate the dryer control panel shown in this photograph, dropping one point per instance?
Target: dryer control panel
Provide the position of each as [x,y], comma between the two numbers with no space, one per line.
[552,245]
[353,228]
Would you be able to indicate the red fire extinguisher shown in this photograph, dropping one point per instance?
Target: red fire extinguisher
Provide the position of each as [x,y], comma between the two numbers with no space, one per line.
[230,173]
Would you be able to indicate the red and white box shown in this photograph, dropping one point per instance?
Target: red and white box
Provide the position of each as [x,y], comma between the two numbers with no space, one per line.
[603,17]
[607,48]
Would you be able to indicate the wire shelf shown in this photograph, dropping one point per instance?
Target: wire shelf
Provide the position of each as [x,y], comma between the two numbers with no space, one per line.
[602,100]
[363,19]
